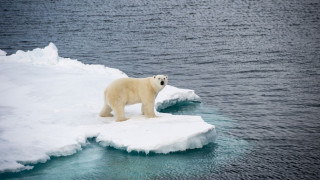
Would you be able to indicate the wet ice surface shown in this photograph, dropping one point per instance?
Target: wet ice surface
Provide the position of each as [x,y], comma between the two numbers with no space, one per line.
[50,105]
[256,62]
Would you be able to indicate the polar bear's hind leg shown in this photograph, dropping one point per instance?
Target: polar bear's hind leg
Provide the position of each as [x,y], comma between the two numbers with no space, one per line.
[142,109]
[148,110]
[106,110]
[119,112]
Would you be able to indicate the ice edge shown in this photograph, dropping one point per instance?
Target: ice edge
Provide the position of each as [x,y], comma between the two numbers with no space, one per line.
[162,103]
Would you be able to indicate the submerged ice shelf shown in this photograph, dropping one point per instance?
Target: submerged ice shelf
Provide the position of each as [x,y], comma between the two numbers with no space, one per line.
[49,106]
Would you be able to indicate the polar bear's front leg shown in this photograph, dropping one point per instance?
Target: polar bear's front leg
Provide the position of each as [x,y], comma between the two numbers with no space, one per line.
[148,110]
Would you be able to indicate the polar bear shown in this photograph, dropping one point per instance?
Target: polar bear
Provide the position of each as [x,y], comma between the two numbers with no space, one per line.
[126,91]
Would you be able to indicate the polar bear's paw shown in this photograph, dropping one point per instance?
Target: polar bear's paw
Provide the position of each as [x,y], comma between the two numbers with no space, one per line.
[122,119]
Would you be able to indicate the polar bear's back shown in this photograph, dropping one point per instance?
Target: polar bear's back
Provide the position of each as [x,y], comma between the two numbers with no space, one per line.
[124,83]
[126,90]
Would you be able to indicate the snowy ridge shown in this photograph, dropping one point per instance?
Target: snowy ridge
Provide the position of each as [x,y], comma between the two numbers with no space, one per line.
[2,53]
[49,56]
[49,106]
[171,95]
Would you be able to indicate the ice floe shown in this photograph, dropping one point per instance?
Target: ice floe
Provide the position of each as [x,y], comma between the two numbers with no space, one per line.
[49,106]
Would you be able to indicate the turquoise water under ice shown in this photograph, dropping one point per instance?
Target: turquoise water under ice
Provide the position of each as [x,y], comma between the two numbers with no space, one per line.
[255,64]
[97,162]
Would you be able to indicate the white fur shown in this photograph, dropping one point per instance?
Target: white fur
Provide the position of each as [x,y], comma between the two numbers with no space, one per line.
[126,91]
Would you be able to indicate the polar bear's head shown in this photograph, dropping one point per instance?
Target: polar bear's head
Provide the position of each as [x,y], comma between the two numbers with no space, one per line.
[160,81]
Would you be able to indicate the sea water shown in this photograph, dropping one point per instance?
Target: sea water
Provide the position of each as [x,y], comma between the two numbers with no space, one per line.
[255,64]
[97,162]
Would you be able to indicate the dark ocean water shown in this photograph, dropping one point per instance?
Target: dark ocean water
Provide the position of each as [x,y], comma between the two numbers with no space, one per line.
[255,64]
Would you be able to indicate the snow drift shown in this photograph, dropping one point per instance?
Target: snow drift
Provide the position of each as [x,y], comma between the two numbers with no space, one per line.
[49,106]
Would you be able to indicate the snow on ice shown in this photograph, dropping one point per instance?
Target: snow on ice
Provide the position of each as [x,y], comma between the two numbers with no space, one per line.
[49,106]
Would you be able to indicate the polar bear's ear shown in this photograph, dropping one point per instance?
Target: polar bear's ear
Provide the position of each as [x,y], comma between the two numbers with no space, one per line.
[166,76]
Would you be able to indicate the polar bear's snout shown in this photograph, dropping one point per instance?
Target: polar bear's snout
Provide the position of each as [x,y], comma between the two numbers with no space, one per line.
[161,79]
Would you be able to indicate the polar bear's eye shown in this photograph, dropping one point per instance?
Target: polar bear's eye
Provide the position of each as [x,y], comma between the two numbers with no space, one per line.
[158,78]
